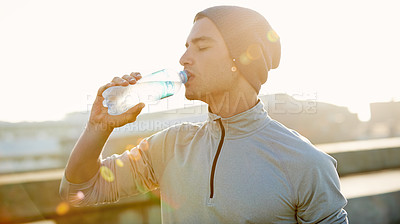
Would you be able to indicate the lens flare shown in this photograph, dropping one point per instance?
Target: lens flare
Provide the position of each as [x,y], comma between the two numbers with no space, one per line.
[272,36]
[107,174]
[244,59]
[168,201]
[62,208]
[234,69]
[253,52]
[119,162]
[80,195]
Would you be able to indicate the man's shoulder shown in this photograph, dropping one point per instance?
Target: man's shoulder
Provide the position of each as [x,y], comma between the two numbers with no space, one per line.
[174,134]
[185,127]
[294,147]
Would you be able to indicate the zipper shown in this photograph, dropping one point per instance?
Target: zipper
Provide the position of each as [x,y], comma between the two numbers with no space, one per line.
[221,141]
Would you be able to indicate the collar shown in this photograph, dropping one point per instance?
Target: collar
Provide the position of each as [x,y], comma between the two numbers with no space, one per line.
[239,125]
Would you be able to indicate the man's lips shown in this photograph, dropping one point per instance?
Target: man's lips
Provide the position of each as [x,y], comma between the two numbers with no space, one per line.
[190,75]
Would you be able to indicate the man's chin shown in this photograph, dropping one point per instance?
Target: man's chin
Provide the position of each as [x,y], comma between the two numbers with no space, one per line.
[190,95]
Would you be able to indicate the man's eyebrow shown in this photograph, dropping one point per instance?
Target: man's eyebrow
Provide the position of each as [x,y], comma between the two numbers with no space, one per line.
[198,39]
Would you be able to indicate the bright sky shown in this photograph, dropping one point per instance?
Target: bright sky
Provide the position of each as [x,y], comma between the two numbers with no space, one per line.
[54,55]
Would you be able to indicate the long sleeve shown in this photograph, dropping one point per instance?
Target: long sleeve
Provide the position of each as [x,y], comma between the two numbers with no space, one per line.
[119,176]
[319,199]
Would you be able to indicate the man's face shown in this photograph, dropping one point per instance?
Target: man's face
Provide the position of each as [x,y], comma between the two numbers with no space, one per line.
[208,61]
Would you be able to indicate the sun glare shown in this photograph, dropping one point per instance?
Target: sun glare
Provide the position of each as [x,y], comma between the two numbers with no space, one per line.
[56,68]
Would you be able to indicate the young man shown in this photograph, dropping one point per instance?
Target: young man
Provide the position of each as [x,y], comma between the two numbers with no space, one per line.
[239,166]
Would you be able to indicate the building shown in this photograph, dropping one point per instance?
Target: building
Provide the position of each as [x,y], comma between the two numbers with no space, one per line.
[44,145]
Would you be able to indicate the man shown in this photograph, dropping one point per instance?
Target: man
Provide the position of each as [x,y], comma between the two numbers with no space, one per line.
[239,166]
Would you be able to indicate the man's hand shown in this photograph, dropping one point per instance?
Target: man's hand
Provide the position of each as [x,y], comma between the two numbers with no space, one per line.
[99,117]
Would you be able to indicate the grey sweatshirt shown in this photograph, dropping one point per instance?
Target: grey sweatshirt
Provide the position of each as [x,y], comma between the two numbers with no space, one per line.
[247,168]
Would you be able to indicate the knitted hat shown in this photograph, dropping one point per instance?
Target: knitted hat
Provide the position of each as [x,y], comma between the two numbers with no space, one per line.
[251,42]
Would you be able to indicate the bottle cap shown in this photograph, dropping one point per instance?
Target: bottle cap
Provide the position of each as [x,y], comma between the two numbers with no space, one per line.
[183,75]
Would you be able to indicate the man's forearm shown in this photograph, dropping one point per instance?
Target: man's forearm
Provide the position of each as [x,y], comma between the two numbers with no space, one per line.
[84,161]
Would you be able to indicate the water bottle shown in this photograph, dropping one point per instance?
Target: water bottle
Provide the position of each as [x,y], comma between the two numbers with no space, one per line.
[155,86]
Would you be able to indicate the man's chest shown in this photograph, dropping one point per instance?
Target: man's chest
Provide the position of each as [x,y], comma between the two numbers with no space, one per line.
[247,183]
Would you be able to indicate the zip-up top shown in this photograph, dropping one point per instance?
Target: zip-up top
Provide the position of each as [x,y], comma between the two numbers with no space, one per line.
[246,168]
[239,125]
[221,142]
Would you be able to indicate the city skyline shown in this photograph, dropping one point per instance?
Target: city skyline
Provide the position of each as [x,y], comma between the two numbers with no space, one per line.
[43,145]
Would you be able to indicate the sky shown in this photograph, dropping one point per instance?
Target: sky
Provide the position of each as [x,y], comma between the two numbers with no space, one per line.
[54,55]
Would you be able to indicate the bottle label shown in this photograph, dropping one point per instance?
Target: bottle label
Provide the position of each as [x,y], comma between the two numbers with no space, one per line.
[168,89]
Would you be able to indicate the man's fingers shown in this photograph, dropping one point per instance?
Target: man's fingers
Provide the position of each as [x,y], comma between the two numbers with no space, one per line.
[136,75]
[120,81]
[135,111]
[131,115]
[130,79]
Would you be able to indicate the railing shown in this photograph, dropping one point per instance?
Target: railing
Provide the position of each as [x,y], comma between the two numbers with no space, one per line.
[29,197]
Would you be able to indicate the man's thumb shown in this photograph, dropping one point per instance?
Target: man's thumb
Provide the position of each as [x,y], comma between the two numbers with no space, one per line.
[135,111]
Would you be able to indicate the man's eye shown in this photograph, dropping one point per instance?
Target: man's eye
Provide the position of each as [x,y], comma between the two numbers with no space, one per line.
[203,48]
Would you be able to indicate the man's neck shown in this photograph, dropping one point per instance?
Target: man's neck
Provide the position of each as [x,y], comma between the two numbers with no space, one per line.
[231,103]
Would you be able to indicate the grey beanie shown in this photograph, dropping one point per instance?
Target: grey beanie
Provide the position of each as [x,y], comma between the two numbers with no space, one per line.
[251,42]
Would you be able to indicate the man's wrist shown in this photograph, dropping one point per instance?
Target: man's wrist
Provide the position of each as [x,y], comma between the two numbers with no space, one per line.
[99,128]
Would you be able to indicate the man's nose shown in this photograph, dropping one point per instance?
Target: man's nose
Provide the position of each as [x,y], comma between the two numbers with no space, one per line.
[186,59]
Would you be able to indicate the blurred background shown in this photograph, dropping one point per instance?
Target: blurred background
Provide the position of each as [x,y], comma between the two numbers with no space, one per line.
[336,85]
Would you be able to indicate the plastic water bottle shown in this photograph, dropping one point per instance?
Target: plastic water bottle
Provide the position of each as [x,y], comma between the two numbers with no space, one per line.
[155,86]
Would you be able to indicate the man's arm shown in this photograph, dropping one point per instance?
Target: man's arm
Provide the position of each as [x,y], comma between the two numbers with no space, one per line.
[318,190]
[84,161]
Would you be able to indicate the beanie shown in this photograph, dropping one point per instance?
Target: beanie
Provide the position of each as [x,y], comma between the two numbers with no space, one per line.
[253,45]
